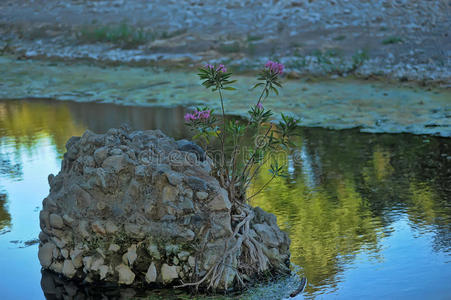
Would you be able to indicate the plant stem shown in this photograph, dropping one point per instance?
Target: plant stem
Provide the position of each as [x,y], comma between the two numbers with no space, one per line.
[261,95]
[223,136]
[261,189]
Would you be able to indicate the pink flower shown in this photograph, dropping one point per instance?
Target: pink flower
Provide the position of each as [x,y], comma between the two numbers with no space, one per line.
[259,105]
[189,117]
[275,67]
[208,66]
[221,68]
[198,115]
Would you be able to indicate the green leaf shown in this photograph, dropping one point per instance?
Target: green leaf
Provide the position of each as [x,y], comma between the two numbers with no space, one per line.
[229,88]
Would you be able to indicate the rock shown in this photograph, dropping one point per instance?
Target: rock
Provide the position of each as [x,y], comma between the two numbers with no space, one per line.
[110,227]
[153,251]
[56,221]
[220,201]
[100,155]
[267,234]
[97,263]
[131,254]
[151,274]
[188,146]
[115,163]
[130,206]
[103,271]
[191,261]
[68,220]
[45,254]
[202,195]
[65,253]
[98,228]
[168,273]
[169,194]
[183,255]
[114,248]
[68,269]
[126,276]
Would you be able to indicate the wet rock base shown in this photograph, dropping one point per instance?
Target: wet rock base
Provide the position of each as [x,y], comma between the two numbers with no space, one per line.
[139,208]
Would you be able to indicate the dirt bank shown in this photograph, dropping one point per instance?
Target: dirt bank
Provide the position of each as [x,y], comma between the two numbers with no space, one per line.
[403,40]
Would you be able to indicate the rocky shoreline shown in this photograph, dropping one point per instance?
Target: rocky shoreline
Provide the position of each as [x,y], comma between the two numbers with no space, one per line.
[137,208]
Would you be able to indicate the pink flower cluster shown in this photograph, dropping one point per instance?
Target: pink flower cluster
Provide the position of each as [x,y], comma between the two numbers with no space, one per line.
[198,115]
[220,68]
[274,67]
[259,106]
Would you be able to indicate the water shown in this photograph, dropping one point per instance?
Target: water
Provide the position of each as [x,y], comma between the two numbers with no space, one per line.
[369,215]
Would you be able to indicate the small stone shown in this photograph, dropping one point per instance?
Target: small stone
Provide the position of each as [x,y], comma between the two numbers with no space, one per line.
[191,261]
[151,275]
[44,219]
[45,254]
[100,155]
[68,269]
[175,260]
[168,273]
[95,266]
[98,228]
[110,227]
[131,254]
[153,251]
[114,248]
[174,178]
[183,255]
[202,195]
[169,194]
[126,276]
[220,201]
[56,221]
[103,271]
[56,253]
[115,163]
[68,220]
[56,267]
[87,261]
[65,253]
[76,256]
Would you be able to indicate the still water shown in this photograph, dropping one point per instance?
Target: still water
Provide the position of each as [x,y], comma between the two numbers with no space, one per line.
[369,215]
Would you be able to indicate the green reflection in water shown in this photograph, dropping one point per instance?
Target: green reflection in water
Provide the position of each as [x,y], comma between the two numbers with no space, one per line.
[346,188]
[5,217]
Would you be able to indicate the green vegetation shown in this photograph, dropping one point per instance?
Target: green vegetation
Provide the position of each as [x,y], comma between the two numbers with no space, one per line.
[339,38]
[229,48]
[121,34]
[252,38]
[392,40]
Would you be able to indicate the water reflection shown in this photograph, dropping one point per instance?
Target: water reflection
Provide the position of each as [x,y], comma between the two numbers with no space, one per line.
[362,210]
[349,190]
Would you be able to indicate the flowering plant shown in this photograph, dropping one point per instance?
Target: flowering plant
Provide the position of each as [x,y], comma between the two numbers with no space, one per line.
[233,174]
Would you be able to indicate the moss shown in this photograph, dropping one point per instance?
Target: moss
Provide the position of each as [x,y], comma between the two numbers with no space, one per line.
[391,40]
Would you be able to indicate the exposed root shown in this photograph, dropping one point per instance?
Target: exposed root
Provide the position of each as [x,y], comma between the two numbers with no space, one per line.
[241,246]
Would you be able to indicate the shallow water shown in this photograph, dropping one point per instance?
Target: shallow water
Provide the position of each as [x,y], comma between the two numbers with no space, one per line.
[369,215]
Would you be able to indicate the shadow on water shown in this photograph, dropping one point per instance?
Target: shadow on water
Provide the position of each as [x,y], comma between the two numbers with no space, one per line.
[362,210]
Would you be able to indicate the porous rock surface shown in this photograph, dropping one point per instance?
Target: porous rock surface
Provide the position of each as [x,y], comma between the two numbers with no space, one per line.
[141,208]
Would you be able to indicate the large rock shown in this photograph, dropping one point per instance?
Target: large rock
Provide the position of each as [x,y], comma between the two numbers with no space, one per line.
[136,207]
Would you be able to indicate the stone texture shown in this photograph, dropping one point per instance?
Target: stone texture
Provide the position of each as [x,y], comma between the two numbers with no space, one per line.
[45,254]
[56,221]
[151,274]
[131,205]
[126,276]
[168,273]
[68,269]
